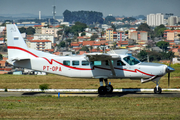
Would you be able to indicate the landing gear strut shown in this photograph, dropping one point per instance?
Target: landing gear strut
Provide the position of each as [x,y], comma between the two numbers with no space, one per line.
[157,89]
[102,90]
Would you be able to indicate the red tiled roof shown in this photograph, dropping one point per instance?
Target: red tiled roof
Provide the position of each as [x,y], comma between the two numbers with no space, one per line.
[40,41]
[76,48]
[74,44]
[37,25]
[109,29]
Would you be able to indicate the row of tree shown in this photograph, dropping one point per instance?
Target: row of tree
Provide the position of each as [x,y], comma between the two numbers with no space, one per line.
[28,31]
[88,17]
[154,56]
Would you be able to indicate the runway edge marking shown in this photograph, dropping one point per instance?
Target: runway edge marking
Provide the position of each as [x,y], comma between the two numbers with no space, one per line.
[84,90]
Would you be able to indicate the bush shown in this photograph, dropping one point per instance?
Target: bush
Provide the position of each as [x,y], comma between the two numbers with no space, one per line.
[44,86]
[5,89]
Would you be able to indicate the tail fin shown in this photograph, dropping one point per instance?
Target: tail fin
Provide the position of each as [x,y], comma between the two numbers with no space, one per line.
[17,48]
[16,44]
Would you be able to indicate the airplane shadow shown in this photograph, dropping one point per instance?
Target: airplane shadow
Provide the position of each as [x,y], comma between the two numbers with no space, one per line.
[114,94]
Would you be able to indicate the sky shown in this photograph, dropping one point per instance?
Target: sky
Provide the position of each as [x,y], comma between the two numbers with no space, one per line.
[115,7]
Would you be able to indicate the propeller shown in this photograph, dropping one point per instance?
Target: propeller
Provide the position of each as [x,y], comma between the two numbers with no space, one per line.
[169,70]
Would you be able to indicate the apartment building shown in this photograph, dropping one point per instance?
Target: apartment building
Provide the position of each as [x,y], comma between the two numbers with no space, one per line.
[139,35]
[173,20]
[44,37]
[51,31]
[155,19]
[172,34]
[109,34]
[41,45]
[119,36]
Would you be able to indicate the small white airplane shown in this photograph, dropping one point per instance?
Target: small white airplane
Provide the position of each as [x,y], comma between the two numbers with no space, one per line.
[91,65]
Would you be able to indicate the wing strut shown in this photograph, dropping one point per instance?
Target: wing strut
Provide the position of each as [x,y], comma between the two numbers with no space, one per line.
[112,68]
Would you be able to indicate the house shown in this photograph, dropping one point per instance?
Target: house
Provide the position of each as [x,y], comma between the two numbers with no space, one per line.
[122,44]
[2,41]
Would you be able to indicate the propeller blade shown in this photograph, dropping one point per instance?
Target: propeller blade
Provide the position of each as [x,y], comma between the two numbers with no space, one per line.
[168,79]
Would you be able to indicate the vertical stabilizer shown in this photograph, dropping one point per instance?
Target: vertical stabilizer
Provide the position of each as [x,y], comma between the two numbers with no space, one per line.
[16,44]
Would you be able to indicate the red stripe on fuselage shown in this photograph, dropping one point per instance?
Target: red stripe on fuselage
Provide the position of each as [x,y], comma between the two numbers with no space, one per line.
[50,62]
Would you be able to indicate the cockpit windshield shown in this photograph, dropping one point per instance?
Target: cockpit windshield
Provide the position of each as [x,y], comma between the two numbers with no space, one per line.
[131,60]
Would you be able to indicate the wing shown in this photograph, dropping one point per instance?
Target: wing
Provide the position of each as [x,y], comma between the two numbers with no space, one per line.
[103,56]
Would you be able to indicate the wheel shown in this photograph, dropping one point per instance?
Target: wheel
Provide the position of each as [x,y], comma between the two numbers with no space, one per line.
[109,89]
[157,91]
[102,90]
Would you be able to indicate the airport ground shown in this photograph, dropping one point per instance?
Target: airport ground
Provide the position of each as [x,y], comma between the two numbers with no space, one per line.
[119,105]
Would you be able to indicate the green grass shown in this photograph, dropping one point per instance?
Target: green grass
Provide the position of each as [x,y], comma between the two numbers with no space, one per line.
[113,108]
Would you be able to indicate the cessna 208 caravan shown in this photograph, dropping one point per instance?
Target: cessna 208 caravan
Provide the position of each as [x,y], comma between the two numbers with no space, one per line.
[102,66]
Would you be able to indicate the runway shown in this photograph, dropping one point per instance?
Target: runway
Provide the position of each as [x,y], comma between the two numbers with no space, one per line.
[90,94]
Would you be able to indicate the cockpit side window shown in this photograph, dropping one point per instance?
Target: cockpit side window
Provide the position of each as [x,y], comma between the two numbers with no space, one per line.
[131,60]
[120,63]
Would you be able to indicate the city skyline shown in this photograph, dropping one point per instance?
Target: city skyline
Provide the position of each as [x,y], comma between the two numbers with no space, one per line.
[114,7]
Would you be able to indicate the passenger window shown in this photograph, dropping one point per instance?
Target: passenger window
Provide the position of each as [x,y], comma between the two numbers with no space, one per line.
[107,62]
[85,63]
[120,63]
[96,63]
[75,63]
[66,62]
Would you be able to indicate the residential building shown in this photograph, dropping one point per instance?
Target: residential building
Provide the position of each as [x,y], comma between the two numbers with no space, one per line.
[44,37]
[172,34]
[52,31]
[139,35]
[41,45]
[109,34]
[173,20]
[155,19]
[119,36]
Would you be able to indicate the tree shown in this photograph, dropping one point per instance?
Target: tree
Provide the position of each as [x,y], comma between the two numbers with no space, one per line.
[30,31]
[142,55]
[78,27]
[83,34]
[163,45]
[159,31]
[1,57]
[88,17]
[144,27]
[94,36]
[22,30]
[179,36]
[114,27]
[62,44]
[84,48]
[109,19]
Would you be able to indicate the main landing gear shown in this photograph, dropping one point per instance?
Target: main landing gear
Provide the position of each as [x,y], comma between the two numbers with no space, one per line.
[157,89]
[102,90]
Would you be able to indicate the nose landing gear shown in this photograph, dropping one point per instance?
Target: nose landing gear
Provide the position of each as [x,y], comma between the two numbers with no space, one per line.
[157,89]
[102,90]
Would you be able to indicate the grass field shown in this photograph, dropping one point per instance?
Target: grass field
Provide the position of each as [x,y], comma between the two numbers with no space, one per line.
[77,108]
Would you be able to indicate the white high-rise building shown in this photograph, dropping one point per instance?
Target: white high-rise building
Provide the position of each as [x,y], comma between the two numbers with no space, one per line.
[155,19]
[173,20]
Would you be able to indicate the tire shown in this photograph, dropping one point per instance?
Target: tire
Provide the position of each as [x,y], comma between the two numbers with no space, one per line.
[109,89]
[102,90]
[157,91]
